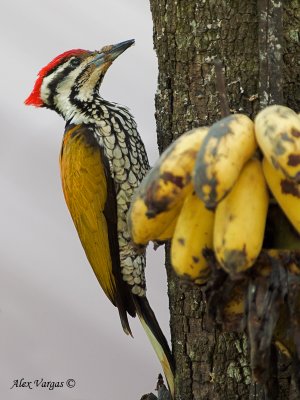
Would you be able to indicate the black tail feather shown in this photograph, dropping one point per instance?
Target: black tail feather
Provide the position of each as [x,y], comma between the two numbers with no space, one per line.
[147,315]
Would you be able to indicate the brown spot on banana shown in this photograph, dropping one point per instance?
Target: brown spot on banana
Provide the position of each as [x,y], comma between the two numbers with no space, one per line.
[181,241]
[295,133]
[294,160]
[231,217]
[158,208]
[290,187]
[234,259]
[177,180]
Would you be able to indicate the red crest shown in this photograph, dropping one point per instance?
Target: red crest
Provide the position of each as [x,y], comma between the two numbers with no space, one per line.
[34,98]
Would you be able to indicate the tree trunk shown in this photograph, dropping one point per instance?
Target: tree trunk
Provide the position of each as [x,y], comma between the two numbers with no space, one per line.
[188,36]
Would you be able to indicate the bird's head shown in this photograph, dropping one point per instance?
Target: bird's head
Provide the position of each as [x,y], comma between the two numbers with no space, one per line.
[73,78]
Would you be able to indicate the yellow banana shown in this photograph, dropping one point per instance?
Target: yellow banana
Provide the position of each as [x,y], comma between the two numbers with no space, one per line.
[167,182]
[240,220]
[285,191]
[168,233]
[161,194]
[229,144]
[277,130]
[193,235]
[144,228]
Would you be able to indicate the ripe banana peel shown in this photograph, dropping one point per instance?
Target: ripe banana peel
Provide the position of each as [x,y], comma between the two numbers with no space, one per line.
[170,179]
[144,228]
[193,235]
[285,191]
[277,130]
[168,233]
[240,220]
[158,200]
[228,145]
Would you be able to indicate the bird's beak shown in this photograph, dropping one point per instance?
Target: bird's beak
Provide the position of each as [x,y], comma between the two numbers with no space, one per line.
[109,53]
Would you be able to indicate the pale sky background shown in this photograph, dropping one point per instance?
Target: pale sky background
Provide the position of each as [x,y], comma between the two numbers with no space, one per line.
[56,322]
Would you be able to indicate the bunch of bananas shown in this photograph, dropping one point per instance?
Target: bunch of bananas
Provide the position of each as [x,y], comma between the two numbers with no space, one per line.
[228,196]
[208,192]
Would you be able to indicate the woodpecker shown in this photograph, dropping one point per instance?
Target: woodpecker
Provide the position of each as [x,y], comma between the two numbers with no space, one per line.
[102,162]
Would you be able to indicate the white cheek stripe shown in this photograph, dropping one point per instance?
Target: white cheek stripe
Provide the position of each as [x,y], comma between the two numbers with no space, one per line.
[64,88]
[44,94]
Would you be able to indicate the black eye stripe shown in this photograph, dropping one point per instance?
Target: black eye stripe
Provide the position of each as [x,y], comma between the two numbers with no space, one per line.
[74,62]
[55,82]
[59,77]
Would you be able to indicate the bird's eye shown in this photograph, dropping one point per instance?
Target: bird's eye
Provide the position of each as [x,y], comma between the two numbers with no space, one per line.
[75,62]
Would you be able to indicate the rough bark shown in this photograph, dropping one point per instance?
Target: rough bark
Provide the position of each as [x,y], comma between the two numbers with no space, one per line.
[188,36]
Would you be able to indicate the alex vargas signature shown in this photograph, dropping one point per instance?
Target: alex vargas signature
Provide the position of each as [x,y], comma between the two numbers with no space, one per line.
[41,383]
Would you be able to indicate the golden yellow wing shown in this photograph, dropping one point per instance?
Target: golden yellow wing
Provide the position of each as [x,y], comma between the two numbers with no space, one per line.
[85,188]
[90,196]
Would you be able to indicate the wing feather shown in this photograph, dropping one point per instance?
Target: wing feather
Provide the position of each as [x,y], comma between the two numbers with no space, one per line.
[90,196]
[85,189]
